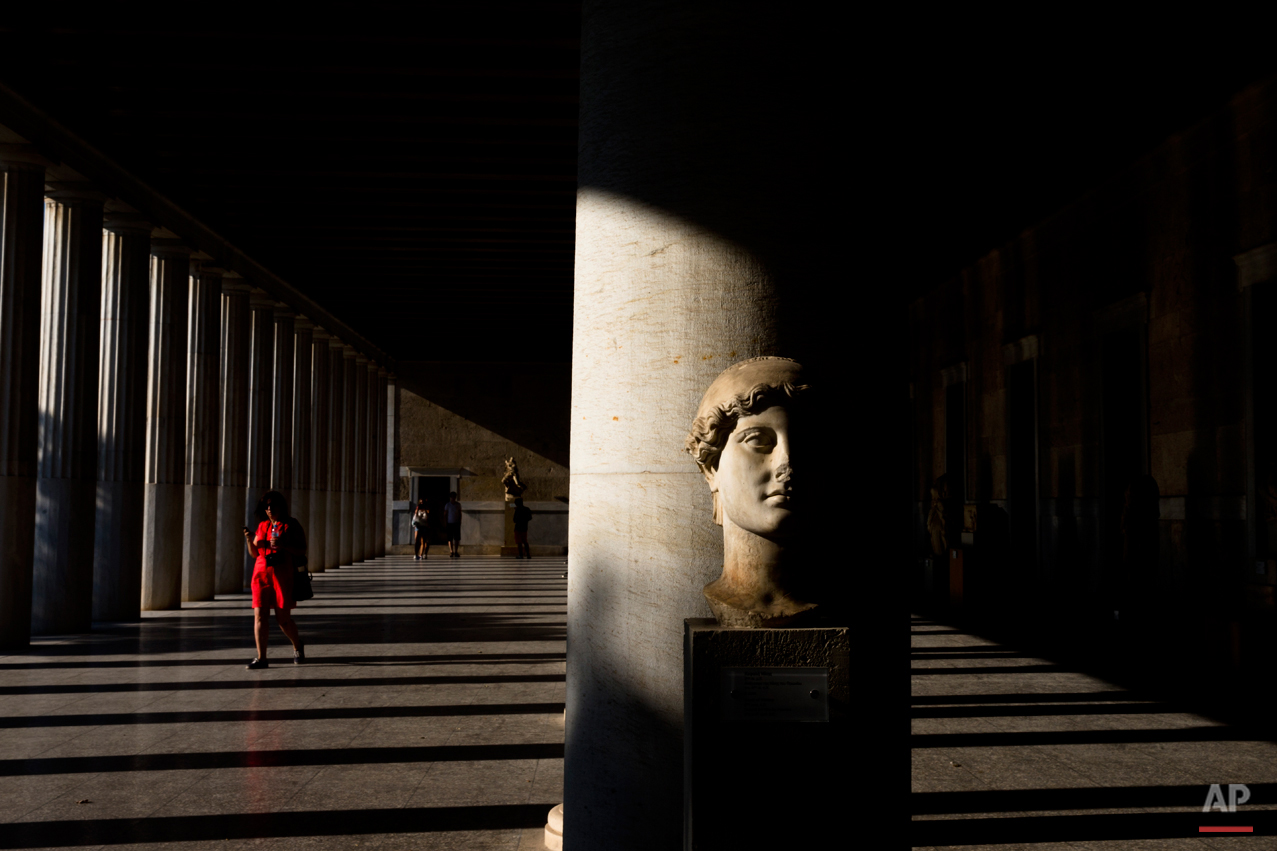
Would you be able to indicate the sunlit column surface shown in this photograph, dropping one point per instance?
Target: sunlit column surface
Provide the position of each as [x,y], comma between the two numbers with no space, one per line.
[358,486]
[199,538]
[281,394]
[21,231]
[317,457]
[368,462]
[299,500]
[347,412]
[336,442]
[261,363]
[126,313]
[380,519]
[165,427]
[70,330]
[232,477]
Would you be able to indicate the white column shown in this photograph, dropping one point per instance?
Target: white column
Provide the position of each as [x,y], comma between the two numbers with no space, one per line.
[336,440]
[165,494]
[232,479]
[261,363]
[349,402]
[321,388]
[299,502]
[281,433]
[199,538]
[126,314]
[66,492]
[379,470]
[390,480]
[21,232]
[359,464]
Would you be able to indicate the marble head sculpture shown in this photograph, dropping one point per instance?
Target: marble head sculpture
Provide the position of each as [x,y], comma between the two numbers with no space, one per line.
[741,442]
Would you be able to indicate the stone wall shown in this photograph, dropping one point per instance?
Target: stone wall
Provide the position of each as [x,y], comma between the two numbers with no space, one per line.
[439,441]
[1155,260]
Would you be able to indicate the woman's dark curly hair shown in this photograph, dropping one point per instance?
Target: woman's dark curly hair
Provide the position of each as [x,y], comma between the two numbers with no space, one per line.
[276,500]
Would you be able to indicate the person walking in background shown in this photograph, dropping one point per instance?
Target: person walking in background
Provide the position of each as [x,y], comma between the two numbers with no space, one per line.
[279,539]
[452,516]
[522,515]
[421,530]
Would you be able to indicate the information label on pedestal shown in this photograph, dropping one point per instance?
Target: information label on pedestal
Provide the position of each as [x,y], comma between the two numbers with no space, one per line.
[774,694]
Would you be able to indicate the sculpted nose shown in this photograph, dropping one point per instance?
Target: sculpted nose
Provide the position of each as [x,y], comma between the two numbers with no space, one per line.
[783,472]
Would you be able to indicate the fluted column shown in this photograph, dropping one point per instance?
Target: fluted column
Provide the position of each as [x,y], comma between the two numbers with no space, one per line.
[21,230]
[199,538]
[66,491]
[348,439]
[281,432]
[303,329]
[165,427]
[359,489]
[370,465]
[122,371]
[389,475]
[232,476]
[261,364]
[379,471]
[336,441]
[317,534]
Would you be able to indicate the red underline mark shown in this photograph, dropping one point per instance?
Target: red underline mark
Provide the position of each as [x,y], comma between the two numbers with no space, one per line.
[1225,829]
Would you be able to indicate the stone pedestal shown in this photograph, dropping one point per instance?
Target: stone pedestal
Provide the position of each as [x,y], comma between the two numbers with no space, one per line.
[165,493]
[66,492]
[766,734]
[22,224]
[199,524]
[126,308]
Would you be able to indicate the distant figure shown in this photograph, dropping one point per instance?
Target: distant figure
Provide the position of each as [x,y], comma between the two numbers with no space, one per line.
[452,515]
[279,539]
[421,530]
[522,515]
[936,518]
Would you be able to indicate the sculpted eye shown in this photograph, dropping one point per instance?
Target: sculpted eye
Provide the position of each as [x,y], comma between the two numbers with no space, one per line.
[759,438]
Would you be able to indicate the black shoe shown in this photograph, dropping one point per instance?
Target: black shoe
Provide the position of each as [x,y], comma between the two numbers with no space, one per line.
[299,655]
[257,665]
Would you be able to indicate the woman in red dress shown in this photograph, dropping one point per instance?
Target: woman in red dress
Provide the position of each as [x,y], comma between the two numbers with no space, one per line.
[279,538]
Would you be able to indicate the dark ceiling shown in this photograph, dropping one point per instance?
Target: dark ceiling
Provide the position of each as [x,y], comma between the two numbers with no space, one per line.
[414,171]
[418,180]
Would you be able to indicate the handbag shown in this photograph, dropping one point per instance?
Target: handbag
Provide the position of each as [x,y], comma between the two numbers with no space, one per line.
[302,589]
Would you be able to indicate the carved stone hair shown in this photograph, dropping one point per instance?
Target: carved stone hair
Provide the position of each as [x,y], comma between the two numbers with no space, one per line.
[742,389]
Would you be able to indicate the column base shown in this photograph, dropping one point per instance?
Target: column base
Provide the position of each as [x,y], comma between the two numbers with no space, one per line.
[199,543]
[62,568]
[554,829]
[17,542]
[117,551]
[162,547]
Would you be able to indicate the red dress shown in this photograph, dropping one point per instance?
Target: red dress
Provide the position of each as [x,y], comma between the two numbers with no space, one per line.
[272,587]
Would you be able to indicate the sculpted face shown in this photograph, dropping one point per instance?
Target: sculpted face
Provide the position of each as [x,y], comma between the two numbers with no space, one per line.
[753,479]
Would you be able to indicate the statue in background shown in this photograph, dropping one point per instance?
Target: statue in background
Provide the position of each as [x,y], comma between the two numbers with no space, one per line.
[514,486]
[741,442]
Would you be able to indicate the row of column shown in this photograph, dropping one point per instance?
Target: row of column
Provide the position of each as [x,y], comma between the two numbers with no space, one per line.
[146,402]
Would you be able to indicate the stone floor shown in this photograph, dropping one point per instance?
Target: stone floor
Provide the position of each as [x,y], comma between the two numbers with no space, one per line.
[1012,751]
[429,715]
